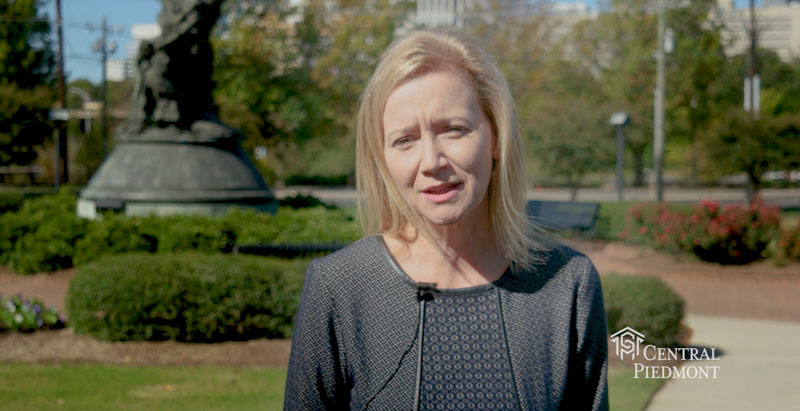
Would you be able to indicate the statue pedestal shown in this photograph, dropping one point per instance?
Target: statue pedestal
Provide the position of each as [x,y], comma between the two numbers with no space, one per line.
[168,171]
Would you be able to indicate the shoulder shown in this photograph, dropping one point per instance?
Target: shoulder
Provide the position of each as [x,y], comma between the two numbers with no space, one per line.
[360,263]
[364,252]
[560,266]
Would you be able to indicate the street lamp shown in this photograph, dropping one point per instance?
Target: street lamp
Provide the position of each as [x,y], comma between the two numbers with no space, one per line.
[60,117]
[619,120]
[86,100]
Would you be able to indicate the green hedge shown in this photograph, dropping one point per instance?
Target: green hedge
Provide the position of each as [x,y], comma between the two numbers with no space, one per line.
[45,234]
[316,180]
[644,303]
[611,219]
[11,201]
[303,226]
[42,234]
[185,297]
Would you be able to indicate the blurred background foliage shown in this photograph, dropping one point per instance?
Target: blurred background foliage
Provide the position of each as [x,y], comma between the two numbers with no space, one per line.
[289,75]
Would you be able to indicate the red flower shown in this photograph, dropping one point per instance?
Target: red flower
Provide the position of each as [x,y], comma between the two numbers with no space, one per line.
[643,230]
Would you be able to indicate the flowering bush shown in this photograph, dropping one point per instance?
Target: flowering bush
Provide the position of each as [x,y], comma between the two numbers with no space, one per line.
[17,314]
[731,234]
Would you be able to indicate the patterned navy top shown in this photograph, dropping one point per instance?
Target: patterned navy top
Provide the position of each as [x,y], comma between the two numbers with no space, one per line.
[364,333]
[465,361]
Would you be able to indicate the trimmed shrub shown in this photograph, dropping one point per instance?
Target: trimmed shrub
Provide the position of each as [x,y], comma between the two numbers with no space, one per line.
[41,236]
[303,201]
[304,226]
[611,219]
[46,234]
[185,297]
[190,232]
[11,201]
[644,303]
[19,314]
[114,234]
[316,180]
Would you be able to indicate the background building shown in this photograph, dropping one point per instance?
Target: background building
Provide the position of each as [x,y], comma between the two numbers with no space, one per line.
[777,25]
[139,32]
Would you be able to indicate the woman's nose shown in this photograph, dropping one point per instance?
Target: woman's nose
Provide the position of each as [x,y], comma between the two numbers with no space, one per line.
[432,157]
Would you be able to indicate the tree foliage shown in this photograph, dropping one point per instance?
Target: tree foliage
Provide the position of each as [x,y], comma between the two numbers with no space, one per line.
[738,142]
[26,80]
[290,77]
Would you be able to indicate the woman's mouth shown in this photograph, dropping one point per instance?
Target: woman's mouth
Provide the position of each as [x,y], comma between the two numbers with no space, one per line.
[442,192]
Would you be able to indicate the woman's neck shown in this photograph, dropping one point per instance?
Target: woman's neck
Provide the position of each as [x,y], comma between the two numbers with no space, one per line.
[463,255]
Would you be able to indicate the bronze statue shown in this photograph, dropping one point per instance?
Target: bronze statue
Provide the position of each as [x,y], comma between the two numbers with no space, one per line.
[172,154]
[173,80]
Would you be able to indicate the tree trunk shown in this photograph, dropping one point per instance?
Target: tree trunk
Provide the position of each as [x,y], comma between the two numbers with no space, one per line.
[573,192]
[573,187]
[751,188]
[693,163]
[638,167]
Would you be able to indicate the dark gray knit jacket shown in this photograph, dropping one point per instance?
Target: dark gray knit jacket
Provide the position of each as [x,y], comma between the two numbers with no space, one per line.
[356,333]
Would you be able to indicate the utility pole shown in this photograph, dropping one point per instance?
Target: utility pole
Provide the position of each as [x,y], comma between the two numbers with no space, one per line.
[752,87]
[61,140]
[104,49]
[658,131]
[753,81]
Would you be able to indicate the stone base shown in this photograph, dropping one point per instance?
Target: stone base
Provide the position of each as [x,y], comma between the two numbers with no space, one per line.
[177,176]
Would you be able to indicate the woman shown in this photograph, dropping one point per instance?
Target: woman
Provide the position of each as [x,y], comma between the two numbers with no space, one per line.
[455,301]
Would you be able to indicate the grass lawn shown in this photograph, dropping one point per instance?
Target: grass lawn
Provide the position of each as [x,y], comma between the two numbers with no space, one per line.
[108,387]
[626,393]
[92,387]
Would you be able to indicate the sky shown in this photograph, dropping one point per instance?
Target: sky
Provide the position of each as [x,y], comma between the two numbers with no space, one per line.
[81,62]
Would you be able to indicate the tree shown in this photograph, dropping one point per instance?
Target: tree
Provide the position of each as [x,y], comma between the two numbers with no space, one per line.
[693,69]
[626,40]
[27,89]
[290,78]
[738,142]
[570,136]
[617,48]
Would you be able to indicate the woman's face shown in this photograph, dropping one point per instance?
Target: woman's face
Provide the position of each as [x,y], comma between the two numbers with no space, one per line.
[438,146]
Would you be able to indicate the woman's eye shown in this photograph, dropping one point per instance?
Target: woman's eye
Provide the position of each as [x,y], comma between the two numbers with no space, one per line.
[402,142]
[455,129]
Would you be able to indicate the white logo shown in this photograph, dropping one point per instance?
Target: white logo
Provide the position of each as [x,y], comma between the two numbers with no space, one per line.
[627,341]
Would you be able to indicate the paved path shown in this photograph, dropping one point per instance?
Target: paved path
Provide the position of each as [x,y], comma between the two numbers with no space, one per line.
[757,290]
[758,370]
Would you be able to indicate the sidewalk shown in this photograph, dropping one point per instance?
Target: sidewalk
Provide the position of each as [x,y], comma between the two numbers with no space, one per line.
[758,368]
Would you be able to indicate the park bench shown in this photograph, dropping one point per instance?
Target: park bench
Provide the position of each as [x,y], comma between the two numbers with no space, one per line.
[11,171]
[563,215]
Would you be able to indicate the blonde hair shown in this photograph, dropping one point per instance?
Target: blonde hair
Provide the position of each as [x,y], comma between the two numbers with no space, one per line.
[382,208]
